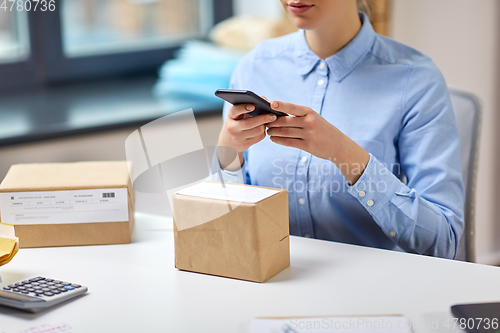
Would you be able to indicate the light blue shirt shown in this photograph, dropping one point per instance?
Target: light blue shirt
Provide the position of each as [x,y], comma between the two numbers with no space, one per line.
[391,100]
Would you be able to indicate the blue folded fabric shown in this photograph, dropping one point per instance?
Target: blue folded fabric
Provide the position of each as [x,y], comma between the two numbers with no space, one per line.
[199,69]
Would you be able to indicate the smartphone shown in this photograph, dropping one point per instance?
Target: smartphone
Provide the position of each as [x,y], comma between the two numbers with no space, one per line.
[236,97]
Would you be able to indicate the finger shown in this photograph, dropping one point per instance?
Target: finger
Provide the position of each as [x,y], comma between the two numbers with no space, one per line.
[287,122]
[252,122]
[264,97]
[257,131]
[289,142]
[296,110]
[286,132]
[236,111]
[255,139]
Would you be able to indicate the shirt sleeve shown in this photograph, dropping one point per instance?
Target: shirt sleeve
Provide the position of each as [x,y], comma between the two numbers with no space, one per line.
[238,81]
[239,176]
[425,215]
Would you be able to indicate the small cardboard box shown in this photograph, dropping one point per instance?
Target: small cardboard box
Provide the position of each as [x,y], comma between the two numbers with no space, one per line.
[64,204]
[242,240]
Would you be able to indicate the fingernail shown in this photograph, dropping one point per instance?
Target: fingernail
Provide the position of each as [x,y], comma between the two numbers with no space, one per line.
[273,117]
[249,108]
[275,104]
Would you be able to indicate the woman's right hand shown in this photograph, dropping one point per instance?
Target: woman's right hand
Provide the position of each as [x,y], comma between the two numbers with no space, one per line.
[239,132]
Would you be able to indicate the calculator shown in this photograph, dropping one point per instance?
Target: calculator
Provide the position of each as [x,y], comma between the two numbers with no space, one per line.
[39,293]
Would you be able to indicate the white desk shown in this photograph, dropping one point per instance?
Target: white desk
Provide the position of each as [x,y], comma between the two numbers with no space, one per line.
[135,287]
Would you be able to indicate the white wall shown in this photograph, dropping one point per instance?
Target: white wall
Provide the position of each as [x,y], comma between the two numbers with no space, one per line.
[461,36]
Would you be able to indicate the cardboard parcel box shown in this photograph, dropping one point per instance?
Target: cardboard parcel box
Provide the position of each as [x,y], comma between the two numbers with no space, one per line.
[236,231]
[62,204]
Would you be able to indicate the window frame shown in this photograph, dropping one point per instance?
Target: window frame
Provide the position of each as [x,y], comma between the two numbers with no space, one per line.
[47,64]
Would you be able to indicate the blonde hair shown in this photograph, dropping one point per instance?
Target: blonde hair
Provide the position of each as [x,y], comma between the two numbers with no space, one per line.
[364,6]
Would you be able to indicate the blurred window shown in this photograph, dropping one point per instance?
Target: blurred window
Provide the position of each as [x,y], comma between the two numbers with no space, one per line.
[92,27]
[74,40]
[14,38]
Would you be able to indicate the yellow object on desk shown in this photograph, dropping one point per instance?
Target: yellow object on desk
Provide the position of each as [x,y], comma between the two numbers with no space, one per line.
[9,243]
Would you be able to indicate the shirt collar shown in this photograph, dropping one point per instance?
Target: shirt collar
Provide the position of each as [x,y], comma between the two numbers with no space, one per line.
[342,62]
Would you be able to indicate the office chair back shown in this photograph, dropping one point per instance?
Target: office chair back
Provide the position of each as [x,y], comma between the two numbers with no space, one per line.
[467,108]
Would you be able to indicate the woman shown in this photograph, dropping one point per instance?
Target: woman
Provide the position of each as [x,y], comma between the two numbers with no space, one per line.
[371,153]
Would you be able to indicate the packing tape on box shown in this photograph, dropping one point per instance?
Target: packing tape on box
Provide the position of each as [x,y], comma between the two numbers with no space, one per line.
[224,197]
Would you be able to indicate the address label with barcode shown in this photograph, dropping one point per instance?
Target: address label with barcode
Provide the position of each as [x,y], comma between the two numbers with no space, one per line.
[78,206]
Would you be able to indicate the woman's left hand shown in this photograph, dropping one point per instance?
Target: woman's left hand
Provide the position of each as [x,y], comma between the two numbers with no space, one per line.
[310,132]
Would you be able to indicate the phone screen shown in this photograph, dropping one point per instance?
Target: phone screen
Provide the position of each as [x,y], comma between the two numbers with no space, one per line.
[236,97]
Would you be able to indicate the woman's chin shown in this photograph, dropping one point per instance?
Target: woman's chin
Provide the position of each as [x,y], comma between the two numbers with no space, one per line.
[303,23]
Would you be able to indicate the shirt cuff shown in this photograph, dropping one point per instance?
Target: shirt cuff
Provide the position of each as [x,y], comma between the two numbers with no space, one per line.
[233,176]
[375,187]
[236,176]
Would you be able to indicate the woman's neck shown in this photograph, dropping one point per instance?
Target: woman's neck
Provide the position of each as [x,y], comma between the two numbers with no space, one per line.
[330,38]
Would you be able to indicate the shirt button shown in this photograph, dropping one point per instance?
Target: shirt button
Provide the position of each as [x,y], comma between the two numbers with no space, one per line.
[302,201]
[362,193]
[370,203]
[392,234]
[307,236]
[303,159]
[322,65]
[321,82]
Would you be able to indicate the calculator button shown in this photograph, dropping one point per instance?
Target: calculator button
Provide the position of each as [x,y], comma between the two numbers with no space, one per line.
[45,289]
[59,285]
[35,283]
[36,279]
[15,289]
[25,291]
[27,285]
[50,283]
[36,287]
[65,283]
[12,285]
[48,294]
[57,281]
[7,288]
[43,285]
[30,289]
[76,285]
[49,280]
[69,287]
[19,283]
[63,290]
[55,291]
[21,287]
[52,287]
